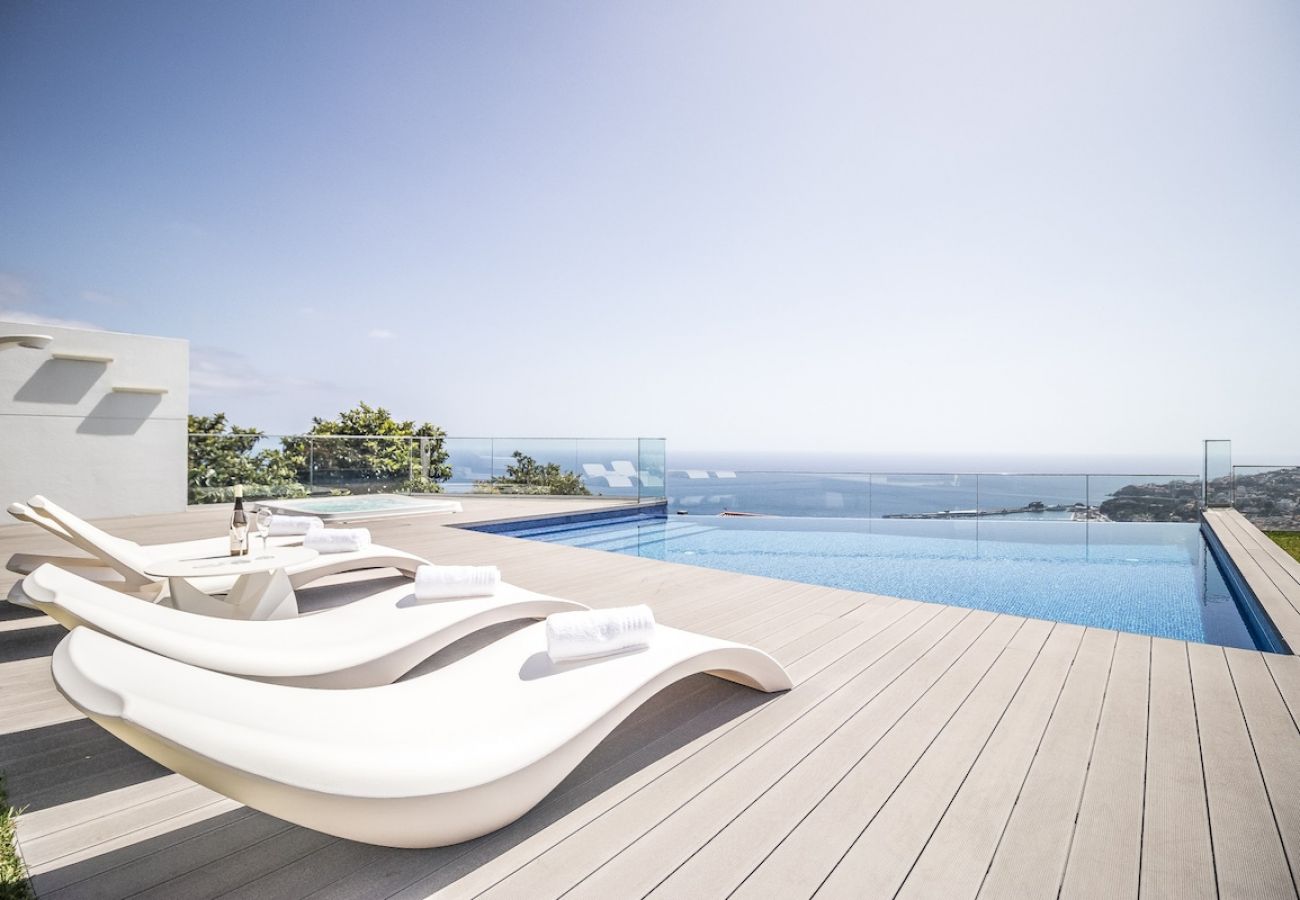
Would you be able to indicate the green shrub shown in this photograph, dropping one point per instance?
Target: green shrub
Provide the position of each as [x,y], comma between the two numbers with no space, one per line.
[14,884]
[1287,540]
[526,476]
[283,491]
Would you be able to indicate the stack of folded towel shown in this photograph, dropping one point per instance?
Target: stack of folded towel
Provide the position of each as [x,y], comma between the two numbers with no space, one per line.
[599,632]
[284,525]
[444,582]
[337,540]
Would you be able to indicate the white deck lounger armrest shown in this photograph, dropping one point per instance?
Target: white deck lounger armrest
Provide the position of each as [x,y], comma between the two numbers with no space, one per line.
[436,760]
[126,557]
[24,513]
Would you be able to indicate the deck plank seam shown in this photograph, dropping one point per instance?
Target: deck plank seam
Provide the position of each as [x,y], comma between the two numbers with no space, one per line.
[848,680]
[1030,768]
[1205,782]
[1087,772]
[1146,770]
[847,719]
[259,876]
[1295,717]
[121,809]
[1269,568]
[974,687]
[54,894]
[789,725]
[1037,746]
[1281,838]
[1269,549]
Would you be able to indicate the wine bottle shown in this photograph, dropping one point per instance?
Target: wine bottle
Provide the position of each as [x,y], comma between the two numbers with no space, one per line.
[238,525]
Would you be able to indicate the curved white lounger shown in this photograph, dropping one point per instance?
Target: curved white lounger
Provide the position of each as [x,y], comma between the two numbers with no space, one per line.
[436,760]
[371,641]
[130,559]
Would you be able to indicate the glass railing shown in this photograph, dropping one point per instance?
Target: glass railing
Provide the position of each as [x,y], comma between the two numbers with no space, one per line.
[1217,473]
[937,496]
[308,465]
[1268,495]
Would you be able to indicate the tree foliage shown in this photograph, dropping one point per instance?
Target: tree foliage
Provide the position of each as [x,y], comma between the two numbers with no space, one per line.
[222,454]
[526,473]
[365,447]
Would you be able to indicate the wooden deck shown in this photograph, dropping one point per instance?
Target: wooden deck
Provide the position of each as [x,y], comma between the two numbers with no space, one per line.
[926,751]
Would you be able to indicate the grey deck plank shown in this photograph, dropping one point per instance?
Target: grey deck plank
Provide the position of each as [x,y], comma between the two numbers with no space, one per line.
[1282,569]
[881,859]
[1106,856]
[957,854]
[1276,742]
[1248,856]
[45,822]
[705,774]
[812,846]
[215,877]
[1177,858]
[186,846]
[1286,675]
[1031,856]
[120,827]
[780,779]
[1251,532]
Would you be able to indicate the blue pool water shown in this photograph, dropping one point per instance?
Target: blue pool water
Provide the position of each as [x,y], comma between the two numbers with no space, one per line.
[1156,579]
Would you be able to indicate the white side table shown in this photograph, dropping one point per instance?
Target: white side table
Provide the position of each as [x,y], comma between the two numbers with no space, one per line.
[261,589]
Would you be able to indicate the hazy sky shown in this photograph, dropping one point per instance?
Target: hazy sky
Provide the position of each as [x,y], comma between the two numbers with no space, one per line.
[922,226]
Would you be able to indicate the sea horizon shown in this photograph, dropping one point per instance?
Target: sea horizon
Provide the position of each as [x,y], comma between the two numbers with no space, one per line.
[831,461]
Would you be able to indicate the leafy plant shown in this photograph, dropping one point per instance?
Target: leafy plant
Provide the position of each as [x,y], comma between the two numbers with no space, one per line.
[526,476]
[14,884]
[284,490]
[1287,540]
[366,447]
[220,454]
[363,448]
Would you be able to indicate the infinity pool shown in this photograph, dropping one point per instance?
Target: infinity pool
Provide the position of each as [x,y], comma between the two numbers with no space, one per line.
[1156,579]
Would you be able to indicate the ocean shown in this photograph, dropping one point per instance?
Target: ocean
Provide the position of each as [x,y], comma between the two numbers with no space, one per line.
[862,486]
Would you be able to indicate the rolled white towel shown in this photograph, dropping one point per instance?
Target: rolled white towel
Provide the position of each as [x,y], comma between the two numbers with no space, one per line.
[599,632]
[285,525]
[337,540]
[443,582]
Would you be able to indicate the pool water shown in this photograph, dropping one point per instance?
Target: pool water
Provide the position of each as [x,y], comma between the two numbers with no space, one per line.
[1155,579]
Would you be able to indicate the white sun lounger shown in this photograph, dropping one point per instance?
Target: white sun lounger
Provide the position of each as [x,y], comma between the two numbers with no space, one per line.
[129,559]
[371,641]
[436,760]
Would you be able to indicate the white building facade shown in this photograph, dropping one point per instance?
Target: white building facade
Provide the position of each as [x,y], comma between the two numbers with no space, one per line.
[95,420]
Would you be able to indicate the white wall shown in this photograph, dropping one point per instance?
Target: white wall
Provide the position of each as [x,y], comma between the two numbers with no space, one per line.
[65,433]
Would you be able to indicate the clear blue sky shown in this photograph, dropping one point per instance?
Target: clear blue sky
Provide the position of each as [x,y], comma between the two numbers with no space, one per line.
[930,226]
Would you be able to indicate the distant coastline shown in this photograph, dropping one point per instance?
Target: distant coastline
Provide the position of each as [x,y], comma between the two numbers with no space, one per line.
[925,462]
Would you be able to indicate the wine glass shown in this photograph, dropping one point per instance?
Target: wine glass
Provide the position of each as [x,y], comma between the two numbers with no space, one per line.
[263,523]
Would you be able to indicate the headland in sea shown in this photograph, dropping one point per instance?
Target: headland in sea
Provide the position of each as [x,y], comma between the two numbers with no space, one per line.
[860,485]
